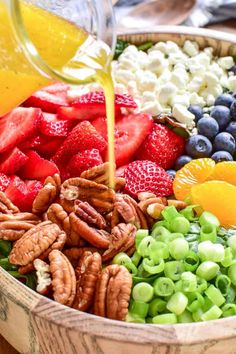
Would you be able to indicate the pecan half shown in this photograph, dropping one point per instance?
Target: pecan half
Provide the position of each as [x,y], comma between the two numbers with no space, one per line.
[87,273]
[99,174]
[113,293]
[63,278]
[122,239]
[97,238]
[35,242]
[98,195]
[59,216]
[130,211]
[178,204]
[153,206]
[47,194]
[74,254]
[6,206]
[88,214]
[27,217]
[13,230]
[43,275]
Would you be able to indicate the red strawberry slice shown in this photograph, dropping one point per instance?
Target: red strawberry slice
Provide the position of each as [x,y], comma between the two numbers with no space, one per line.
[120,172]
[92,104]
[130,132]
[83,137]
[11,161]
[4,182]
[83,161]
[33,187]
[37,168]
[162,146]
[31,143]
[48,102]
[43,144]
[52,126]
[58,89]
[18,125]
[17,192]
[147,176]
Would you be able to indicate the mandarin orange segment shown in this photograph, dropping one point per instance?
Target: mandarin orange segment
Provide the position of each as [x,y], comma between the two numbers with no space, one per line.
[225,171]
[195,172]
[219,198]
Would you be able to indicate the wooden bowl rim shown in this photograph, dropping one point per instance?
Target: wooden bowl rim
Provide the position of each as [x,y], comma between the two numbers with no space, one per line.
[179,334]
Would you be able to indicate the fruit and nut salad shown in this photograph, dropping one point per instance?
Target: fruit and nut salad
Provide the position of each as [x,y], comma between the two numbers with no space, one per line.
[160,247]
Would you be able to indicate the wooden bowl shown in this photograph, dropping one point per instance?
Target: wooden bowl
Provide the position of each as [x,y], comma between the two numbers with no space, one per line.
[35,324]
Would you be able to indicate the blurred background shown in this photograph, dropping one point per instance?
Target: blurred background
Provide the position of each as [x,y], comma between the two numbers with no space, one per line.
[216,14]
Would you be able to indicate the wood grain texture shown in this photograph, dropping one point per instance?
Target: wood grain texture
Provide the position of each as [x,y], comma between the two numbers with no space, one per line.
[35,325]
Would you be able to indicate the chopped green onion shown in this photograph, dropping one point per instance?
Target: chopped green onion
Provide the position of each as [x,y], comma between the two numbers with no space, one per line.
[136,258]
[143,292]
[196,304]
[5,264]
[223,283]
[174,269]
[163,286]
[142,272]
[197,315]
[191,262]
[5,248]
[160,233]
[229,310]
[145,46]
[208,218]
[145,245]
[151,267]
[149,320]
[185,317]
[130,317]
[189,212]
[180,224]
[139,309]
[232,273]
[123,259]
[148,280]
[178,285]
[179,248]
[169,213]
[175,235]
[228,258]
[232,243]
[191,237]
[177,303]
[168,318]
[207,270]
[209,251]
[156,306]
[212,314]
[189,282]
[215,295]
[158,250]
[140,235]
[208,232]
[230,296]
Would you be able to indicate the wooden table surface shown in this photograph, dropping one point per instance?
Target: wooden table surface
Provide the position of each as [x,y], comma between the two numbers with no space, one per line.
[228,26]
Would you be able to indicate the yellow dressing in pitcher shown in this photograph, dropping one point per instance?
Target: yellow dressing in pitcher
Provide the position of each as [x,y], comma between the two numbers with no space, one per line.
[58,42]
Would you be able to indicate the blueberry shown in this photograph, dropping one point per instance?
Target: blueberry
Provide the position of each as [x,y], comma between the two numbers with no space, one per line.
[224,100]
[233,110]
[197,111]
[222,156]
[234,94]
[224,141]
[181,161]
[198,146]
[231,128]
[171,173]
[208,127]
[222,115]
[233,69]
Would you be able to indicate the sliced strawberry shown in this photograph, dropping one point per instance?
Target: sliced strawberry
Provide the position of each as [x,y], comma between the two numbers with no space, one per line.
[83,137]
[130,132]
[37,168]
[18,125]
[58,89]
[48,102]
[17,192]
[4,182]
[11,161]
[120,172]
[33,187]
[92,105]
[83,161]
[52,126]
[100,124]
[44,145]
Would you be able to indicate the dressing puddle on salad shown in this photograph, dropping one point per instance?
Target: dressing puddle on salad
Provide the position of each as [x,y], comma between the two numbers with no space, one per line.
[61,45]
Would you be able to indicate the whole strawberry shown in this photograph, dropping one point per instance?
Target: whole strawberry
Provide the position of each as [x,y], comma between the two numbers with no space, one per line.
[83,161]
[147,176]
[162,146]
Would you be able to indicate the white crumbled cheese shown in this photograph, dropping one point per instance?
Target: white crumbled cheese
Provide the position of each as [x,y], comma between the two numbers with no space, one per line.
[226,62]
[159,46]
[210,100]
[124,76]
[183,100]
[196,99]
[153,108]
[232,83]
[149,96]
[211,79]
[181,113]
[191,48]
[166,92]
